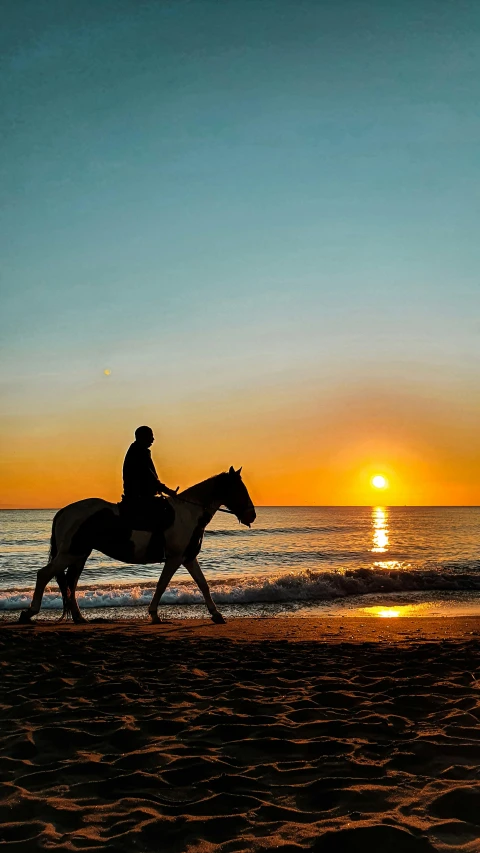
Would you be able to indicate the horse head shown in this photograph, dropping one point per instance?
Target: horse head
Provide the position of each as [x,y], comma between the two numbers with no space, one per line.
[237,499]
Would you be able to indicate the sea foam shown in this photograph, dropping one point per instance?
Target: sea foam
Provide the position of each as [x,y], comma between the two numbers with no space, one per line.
[307,586]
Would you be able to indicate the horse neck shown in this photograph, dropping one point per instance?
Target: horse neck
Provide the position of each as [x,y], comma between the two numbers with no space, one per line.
[204,494]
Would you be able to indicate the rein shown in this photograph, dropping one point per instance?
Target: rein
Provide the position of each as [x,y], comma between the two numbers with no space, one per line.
[194,503]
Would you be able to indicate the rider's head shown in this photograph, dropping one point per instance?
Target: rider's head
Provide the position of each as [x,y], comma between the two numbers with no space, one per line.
[144,435]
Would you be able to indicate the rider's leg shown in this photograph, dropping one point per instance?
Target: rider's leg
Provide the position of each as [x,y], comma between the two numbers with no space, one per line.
[169,569]
[44,575]
[194,568]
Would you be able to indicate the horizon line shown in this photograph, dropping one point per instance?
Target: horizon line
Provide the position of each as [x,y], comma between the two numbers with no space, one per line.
[278,506]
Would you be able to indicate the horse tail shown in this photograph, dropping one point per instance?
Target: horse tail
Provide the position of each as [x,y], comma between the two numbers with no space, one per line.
[60,577]
[53,539]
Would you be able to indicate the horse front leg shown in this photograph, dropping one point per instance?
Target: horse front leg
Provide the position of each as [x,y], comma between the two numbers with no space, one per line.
[194,568]
[169,569]
[43,577]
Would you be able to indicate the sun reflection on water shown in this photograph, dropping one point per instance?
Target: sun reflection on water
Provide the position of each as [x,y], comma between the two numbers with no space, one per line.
[385,612]
[380,529]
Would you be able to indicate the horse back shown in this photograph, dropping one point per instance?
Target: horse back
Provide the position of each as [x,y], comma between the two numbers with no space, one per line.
[95,524]
[74,524]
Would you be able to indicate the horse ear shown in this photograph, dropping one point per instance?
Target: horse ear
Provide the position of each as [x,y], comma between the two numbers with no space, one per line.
[239,470]
[231,471]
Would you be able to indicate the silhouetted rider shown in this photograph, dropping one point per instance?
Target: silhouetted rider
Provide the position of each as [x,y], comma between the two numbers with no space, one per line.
[140,479]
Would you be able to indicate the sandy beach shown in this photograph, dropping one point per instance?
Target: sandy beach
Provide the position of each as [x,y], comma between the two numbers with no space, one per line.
[262,734]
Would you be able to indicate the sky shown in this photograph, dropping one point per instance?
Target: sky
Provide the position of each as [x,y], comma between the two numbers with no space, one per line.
[262,219]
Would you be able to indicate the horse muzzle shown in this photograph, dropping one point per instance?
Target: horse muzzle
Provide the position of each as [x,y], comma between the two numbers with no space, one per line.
[248,516]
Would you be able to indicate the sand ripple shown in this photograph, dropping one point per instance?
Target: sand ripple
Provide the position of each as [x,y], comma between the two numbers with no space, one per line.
[124,740]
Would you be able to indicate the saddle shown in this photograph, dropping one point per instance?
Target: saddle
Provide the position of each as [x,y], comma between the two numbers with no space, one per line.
[152,514]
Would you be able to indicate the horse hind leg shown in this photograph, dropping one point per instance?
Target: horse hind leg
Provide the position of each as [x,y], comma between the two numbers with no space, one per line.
[64,589]
[55,567]
[73,573]
[68,584]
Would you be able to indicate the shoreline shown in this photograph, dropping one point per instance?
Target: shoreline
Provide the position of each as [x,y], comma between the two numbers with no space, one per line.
[293,628]
[371,606]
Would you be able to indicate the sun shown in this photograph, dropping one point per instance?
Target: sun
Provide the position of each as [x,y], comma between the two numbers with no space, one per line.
[379,481]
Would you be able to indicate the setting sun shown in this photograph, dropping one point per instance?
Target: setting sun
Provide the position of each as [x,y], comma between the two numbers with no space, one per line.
[379,482]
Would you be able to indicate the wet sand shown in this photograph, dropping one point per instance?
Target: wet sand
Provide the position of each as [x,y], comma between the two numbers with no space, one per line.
[262,734]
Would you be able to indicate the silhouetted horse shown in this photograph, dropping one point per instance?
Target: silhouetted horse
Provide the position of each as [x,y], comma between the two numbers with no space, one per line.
[97,524]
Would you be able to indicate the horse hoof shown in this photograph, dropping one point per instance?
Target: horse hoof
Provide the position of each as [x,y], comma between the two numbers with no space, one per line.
[155,618]
[218,618]
[25,618]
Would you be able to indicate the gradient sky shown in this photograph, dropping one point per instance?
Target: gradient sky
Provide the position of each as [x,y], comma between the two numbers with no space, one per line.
[263,218]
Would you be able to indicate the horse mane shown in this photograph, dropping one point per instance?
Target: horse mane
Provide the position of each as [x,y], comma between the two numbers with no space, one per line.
[219,478]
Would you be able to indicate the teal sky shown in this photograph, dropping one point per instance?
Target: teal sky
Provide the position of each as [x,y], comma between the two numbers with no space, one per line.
[245,197]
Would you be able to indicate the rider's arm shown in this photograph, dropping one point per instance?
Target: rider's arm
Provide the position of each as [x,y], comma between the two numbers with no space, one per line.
[164,490]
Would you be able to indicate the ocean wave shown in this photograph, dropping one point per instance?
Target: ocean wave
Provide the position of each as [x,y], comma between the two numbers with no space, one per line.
[307,586]
[274,531]
[295,555]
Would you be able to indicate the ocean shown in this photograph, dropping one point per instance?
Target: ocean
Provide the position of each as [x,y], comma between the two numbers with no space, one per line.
[331,561]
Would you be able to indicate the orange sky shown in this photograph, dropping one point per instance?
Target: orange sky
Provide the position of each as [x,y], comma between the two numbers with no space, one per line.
[297,445]
[267,231]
